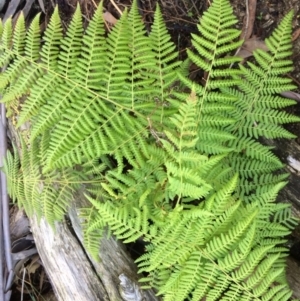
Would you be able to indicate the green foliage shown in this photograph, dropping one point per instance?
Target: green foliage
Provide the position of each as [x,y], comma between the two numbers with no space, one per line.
[185,171]
[46,194]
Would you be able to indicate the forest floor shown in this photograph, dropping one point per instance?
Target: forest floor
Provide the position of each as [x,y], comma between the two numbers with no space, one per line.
[257,19]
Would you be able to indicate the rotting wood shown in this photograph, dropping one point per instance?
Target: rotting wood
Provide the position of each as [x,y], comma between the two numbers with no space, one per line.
[73,274]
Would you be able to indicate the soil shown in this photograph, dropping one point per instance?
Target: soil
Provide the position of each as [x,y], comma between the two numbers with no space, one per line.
[181,17]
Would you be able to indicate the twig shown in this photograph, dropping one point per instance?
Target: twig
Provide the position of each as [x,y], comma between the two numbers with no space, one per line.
[23,280]
[291,95]
[248,27]
[116,7]
[250,10]
[94,3]
[247,21]
[243,34]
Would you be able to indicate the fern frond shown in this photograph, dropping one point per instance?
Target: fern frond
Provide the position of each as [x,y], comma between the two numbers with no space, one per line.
[258,115]
[19,33]
[216,36]
[165,53]
[33,40]
[19,73]
[142,60]
[31,179]
[47,195]
[6,41]
[46,87]
[93,226]
[95,110]
[167,65]
[18,45]
[185,171]
[219,246]
[11,166]
[70,46]
[117,219]
[52,37]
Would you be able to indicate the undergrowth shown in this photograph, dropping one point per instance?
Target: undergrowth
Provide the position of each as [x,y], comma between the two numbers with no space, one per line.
[185,171]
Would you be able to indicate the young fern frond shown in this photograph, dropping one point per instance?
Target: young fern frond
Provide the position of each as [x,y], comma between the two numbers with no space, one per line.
[164,72]
[184,168]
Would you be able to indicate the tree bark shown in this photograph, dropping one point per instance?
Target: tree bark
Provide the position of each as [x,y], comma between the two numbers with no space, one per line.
[73,274]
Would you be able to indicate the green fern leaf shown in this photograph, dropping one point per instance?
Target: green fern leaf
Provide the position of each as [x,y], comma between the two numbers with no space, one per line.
[185,171]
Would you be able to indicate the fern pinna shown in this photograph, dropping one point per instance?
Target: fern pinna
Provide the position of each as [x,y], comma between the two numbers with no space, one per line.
[109,112]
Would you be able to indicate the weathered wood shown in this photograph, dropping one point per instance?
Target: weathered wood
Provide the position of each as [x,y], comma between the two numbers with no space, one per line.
[293,276]
[114,262]
[68,269]
[73,274]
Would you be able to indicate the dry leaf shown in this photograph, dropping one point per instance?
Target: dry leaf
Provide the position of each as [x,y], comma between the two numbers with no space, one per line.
[11,9]
[42,6]
[109,18]
[27,7]
[291,95]
[33,267]
[250,45]
[296,34]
